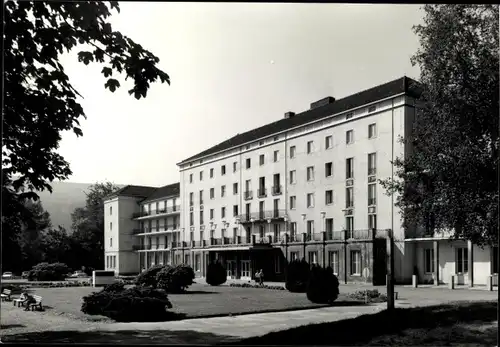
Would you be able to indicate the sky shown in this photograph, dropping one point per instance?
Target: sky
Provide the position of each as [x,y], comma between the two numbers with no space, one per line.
[233,67]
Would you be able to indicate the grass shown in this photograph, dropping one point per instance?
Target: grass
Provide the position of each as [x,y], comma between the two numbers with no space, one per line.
[471,323]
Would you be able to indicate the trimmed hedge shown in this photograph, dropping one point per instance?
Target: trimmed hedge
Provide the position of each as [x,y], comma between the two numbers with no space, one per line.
[297,276]
[216,274]
[249,285]
[138,304]
[48,272]
[148,277]
[175,279]
[323,285]
[371,296]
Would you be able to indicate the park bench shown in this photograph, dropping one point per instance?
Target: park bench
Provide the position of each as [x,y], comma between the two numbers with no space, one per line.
[6,294]
[37,303]
[19,301]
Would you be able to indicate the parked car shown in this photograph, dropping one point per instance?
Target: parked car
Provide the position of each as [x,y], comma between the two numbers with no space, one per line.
[78,274]
[7,274]
[25,274]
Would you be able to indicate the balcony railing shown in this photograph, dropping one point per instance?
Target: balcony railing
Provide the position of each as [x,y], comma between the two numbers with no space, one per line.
[151,247]
[277,190]
[372,171]
[248,195]
[333,235]
[170,209]
[372,201]
[262,192]
[264,240]
[314,236]
[215,242]
[262,216]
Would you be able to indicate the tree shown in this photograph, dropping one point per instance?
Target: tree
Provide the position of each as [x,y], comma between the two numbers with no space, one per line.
[40,101]
[88,226]
[449,178]
[56,246]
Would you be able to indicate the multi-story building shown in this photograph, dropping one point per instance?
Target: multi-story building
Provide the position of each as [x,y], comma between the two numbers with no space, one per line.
[306,186]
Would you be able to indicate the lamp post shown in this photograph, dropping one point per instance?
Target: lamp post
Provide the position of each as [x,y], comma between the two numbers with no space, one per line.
[304,234]
[323,215]
[285,219]
[182,244]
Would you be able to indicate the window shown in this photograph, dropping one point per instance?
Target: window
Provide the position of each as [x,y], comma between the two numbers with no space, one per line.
[186,259]
[201,175]
[201,197]
[293,231]
[349,115]
[212,193]
[313,257]
[310,200]
[329,142]
[349,197]
[110,242]
[292,151]
[349,168]
[110,210]
[333,261]
[293,177]
[276,156]
[356,263]
[110,226]
[197,262]
[372,194]
[222,191]
[329,225]
[494,261]
[211,173]
[190,178]
[235,210]
[293,202]
[261,143]
[372,131]
[462,260]
[235,165]
[328,169]
[372,108]
[310,145]
[310,173]
[113,258]
[248,163]
[372,164]
[211,213]
[276,138]
[202,219]
[191,199]
[329,197]
[310,227]
[223,170]
[235,188]
[223,212]
[349,225]
[349,137]
[261,159]
[372,221]
[294,256]
[247,147]
[107,261]
[428,260]
[191,218]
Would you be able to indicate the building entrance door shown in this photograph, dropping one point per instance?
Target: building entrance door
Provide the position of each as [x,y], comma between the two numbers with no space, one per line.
[231,268]
[246,270]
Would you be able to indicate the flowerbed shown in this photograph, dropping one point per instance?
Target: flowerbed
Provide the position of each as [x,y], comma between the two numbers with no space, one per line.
[372,296]
[249,285]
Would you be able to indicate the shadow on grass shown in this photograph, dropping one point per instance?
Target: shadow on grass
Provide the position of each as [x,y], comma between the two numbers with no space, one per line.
[433,325]
[125,336]
[11,326]
[196,292]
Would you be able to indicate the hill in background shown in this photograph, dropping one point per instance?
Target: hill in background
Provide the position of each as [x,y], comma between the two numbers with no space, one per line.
[65,197]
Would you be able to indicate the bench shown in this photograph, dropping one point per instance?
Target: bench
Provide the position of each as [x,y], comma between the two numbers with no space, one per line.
[6,295]
[36,304]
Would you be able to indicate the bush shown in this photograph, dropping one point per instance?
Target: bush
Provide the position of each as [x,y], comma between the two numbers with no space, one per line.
[138,304]
[216,274]
[175,279]
[148,277]
[323,285]
[372,296]
[48,272]
[115,287]
[249,285]
[297,275]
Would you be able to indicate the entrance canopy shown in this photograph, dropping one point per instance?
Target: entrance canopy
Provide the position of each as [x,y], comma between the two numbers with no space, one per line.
[221,249]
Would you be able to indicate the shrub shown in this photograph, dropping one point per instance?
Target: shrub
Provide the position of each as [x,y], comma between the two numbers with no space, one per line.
[175,279]
[48,272]
[297,275]
[148,277]
[249,285]
[114,287]
[138,304]
[216,274]
[323,285]
[368,295]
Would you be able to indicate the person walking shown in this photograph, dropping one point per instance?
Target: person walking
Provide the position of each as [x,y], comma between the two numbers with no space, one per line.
[261,277]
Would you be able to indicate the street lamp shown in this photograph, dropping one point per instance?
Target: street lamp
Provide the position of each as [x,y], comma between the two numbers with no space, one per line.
[323,215]
[182,244]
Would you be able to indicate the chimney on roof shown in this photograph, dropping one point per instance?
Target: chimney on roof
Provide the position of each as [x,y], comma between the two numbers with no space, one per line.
[323,102]
[289,114]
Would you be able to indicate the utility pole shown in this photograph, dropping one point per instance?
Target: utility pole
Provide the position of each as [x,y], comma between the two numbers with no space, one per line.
[390,270]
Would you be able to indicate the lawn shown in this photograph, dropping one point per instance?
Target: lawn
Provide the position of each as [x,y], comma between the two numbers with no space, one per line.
[464,323]
[200,300]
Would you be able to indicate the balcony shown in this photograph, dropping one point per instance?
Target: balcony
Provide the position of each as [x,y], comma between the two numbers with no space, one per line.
[215,242]
[314,237]
[333,235]
[277,190]
[372,201]
[262,216]
[264,240]
[248,195]
[162,211]
[262,192]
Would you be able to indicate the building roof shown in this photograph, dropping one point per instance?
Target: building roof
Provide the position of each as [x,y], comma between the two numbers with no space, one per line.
[168,190]
[401,85]
[133,191]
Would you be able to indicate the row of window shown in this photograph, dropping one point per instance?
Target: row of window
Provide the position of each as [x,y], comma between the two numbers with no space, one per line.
[111,262]
[333,260]
[461,256]
[310,148]
[172,225]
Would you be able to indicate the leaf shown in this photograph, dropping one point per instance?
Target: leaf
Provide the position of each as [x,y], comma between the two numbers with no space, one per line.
[112,84]
[85,57]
